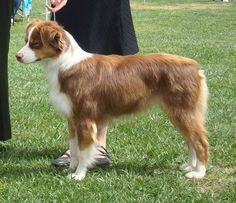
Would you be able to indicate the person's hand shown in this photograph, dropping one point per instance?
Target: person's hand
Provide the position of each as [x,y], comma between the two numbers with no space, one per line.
[58,5]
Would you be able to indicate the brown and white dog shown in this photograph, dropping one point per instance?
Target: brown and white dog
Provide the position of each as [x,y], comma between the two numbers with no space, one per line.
[90,89]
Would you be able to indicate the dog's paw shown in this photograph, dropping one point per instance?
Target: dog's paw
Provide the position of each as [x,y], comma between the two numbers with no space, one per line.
[195,174]
[187,167]
[74,176]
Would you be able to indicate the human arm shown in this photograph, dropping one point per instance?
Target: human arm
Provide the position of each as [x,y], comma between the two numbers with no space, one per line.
[58,5]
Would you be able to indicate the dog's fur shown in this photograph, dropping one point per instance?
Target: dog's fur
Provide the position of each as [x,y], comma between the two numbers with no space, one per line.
[90,89]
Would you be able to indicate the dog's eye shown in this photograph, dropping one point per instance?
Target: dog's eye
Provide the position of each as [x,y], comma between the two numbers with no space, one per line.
[35,45]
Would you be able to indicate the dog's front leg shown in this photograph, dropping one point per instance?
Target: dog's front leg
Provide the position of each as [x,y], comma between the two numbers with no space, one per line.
[86,139]
[73,144]
[74,158]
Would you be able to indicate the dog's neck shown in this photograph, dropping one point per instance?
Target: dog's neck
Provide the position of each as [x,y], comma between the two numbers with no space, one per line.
[71,56]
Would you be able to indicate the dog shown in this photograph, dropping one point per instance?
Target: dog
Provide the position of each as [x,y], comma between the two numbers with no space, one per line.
[91,89]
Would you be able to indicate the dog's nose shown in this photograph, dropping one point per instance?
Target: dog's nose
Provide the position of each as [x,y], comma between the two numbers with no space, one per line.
[19,56]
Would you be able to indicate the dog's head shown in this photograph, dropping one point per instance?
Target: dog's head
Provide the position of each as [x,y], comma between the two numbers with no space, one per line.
[43,40]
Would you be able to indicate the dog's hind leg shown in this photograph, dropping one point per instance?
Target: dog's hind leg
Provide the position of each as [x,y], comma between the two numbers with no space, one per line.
[189,118]
[87,139]
[191,164]
[197,138]
[194,133]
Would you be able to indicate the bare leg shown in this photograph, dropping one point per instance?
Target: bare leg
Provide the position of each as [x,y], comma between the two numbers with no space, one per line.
[102,135]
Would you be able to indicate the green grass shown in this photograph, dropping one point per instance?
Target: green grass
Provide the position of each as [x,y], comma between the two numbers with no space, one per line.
[145,150]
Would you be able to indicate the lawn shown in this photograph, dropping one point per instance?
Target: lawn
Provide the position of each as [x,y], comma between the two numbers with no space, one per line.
[146,150]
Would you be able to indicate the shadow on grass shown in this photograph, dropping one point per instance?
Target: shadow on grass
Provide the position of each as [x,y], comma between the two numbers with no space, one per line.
[26,171]
[27,162]
[143,169]
[14,153]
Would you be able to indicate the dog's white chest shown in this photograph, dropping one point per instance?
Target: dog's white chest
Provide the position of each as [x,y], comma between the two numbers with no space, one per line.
[61,102]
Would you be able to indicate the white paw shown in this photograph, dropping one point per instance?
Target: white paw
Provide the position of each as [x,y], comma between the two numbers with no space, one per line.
[195,175]
[74,176]
[186,167]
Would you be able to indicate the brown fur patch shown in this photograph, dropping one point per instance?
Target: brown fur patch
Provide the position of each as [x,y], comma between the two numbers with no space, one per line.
[120,85]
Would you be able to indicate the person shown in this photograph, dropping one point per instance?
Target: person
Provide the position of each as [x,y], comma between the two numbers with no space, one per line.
[99,27]
[5,20]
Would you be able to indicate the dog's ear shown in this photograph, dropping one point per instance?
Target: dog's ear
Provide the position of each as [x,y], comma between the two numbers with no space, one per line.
[51,36]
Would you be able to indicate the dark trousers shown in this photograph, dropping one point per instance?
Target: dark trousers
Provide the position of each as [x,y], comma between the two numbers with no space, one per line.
[5,18]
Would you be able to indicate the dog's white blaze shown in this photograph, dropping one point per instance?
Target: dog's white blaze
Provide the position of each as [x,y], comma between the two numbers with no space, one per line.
[28,54]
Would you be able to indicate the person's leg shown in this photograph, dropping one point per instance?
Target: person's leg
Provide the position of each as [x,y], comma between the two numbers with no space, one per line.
[5,20]
[102,157]
[102,137]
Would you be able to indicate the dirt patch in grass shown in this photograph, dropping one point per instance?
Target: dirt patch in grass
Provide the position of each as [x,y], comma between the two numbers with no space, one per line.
[193,6]
[218,179]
